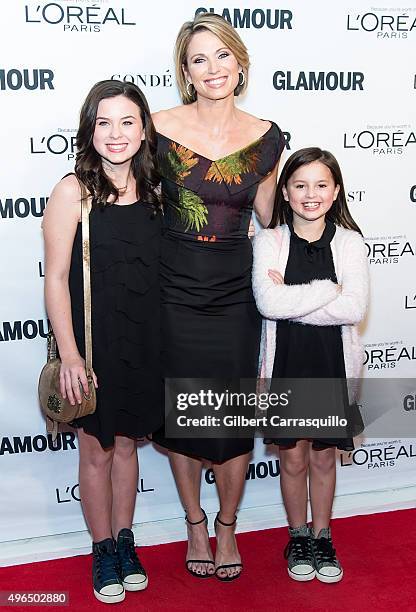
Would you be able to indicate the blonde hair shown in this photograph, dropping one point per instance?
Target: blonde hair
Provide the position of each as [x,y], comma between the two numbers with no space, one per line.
[218,26]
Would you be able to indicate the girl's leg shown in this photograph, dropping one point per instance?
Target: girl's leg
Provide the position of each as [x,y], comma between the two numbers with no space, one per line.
[230,478]
[96,498]
[322,475]
[95,485]
[293,481]
[187,472]
[124,475]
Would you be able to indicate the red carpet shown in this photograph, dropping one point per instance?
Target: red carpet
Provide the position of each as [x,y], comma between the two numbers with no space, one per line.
[376,551]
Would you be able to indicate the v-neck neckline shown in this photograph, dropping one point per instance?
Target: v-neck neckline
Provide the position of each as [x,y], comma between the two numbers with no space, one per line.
[215,161]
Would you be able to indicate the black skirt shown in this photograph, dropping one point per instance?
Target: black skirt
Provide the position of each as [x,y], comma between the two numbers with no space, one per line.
[210,325]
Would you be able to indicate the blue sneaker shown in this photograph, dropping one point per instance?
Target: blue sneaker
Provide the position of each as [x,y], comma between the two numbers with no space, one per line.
[132,573]
[108,587]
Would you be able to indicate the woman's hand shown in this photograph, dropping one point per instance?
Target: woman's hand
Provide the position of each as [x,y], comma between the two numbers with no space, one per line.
[276,277]
[73,379]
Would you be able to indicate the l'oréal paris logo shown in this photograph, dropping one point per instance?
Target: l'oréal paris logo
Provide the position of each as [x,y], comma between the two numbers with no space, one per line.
[396,24]
[381,140]
[74,17]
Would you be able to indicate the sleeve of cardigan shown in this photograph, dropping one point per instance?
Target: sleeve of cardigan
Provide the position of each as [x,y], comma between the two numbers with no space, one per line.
[284,301]
[351,304]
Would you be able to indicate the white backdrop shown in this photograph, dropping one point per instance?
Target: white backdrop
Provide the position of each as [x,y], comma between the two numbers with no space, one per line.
[336,75]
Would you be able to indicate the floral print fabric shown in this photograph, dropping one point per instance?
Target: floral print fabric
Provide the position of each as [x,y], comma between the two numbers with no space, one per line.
[212,200]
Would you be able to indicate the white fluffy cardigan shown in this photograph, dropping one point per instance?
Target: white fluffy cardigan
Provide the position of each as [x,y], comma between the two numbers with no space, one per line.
[314,303]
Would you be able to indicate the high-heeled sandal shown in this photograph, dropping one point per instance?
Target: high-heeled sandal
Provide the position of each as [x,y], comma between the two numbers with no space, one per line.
[190,561]
[227,578]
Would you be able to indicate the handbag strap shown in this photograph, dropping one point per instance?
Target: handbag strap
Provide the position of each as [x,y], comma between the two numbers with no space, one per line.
[85,227]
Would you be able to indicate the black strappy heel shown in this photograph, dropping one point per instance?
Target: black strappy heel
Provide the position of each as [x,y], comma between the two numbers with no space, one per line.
[227,565]
[191,571]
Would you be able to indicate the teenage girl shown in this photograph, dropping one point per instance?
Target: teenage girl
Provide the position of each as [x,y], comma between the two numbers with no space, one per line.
[115,166]
[310,277]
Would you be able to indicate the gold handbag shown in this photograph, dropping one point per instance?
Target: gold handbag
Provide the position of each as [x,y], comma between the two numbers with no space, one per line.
[54,406]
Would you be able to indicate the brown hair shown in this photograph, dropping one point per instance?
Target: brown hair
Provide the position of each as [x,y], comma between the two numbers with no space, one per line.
[88,165]
[226,33]
[338,213]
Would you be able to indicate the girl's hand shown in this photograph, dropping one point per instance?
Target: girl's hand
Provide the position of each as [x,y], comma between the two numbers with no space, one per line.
[73,379]
[276,277]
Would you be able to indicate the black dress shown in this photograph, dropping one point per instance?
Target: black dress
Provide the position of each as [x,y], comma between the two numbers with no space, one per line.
[309,351]
[210,324]
[125,298]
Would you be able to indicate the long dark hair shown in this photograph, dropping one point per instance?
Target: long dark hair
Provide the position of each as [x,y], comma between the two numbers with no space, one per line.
[88,165]
[338,213]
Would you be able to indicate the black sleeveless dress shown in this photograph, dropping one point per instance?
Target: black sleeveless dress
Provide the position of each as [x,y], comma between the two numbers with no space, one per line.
[210,324]
[125,298]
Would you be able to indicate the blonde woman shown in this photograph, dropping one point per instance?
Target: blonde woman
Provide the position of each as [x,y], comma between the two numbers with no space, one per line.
[217,163]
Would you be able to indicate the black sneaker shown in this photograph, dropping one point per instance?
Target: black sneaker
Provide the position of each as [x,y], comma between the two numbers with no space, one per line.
[132,572]
[298,552]
[107,584]
[327,566]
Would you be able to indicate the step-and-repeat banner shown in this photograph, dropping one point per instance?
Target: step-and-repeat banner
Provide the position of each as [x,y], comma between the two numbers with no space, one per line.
[333,74]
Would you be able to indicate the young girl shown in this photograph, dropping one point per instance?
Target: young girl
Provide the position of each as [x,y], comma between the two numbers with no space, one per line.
[115,167]
[310,276]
